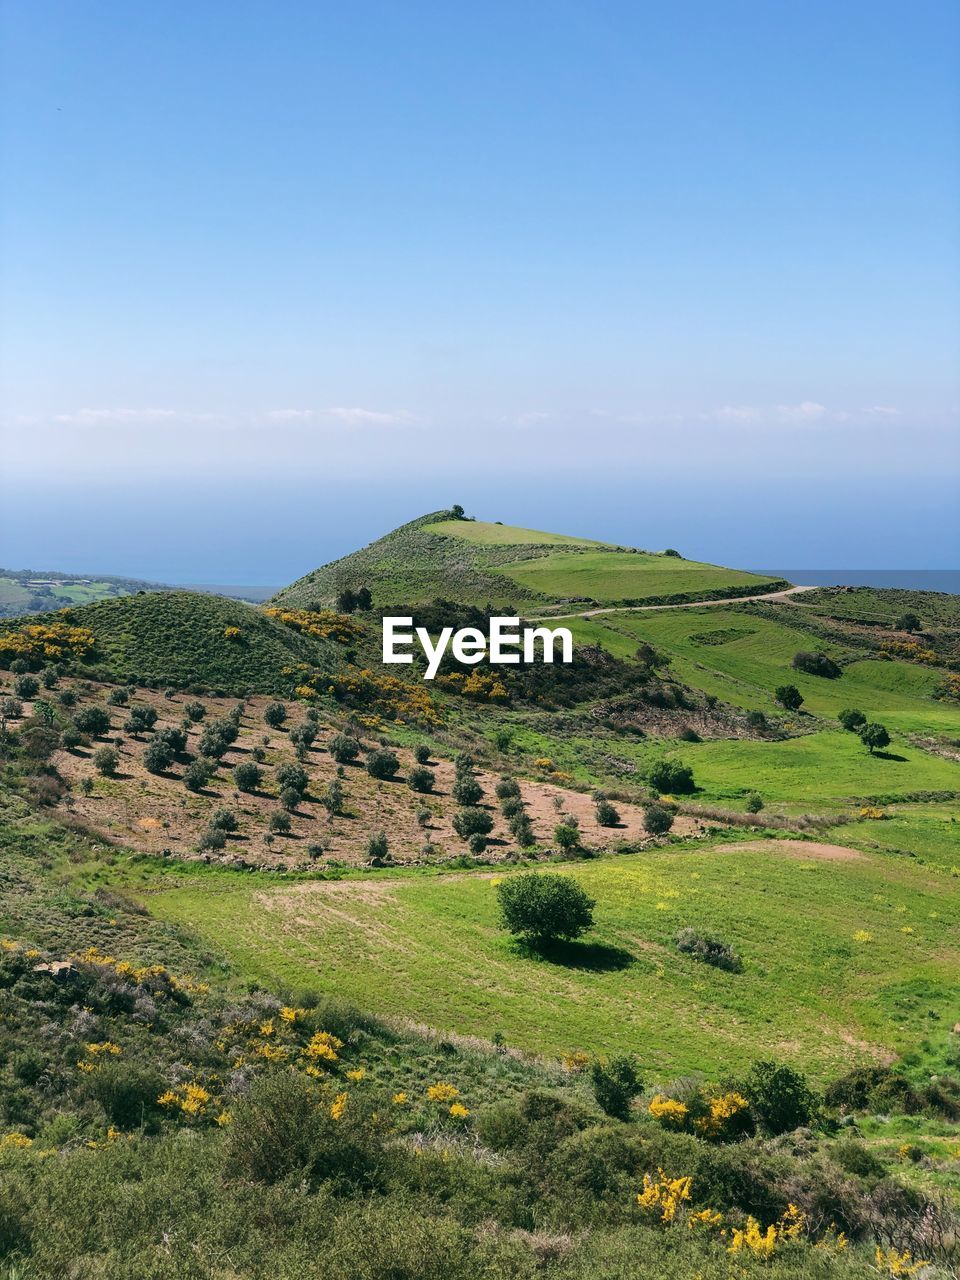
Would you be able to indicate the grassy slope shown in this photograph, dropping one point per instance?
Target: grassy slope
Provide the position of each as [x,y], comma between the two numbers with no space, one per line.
[177,638]
[481,563]
[746,668]
[431,949]
[17,597]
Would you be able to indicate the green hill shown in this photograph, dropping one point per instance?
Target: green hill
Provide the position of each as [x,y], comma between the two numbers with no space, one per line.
[475,562]
[182,638]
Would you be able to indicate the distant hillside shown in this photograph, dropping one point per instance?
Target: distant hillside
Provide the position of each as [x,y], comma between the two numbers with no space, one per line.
[182,639]
[473,562]
[40,590]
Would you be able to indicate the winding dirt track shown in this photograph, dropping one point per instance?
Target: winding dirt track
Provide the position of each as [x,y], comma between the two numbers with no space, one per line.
[687,604]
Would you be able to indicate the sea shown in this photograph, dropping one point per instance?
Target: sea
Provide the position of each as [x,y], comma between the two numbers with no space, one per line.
[906,579]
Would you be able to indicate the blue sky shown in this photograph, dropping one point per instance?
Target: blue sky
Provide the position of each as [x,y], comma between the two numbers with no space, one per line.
[277,277]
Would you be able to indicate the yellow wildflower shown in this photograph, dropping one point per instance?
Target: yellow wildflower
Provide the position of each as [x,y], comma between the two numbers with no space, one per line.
[338,1106]
[356,1074]
[441,1092]
[459,1111]
[668,1111]
[400,1099]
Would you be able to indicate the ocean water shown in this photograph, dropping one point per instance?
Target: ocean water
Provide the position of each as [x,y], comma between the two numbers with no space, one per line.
[907,579]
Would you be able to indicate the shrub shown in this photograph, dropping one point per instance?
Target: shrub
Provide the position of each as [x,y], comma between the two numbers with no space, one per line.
[141,720]
[421,753]
[215,740]
[105,761]
[521,828]
[567,835]
[756,720]
[670,777]
[332,799]
[158,757]
[607,814]
[127,1092]
[293,777]
[70,738]
[212,840]
[382,763]
[477,843]
[511,807]
[224,819]
[544,908]
[195,711]
[247,776]
[908,621]
[11,708]
[290,798]
[470,822]
[26,687]
[507,788]
[816,664]
[689,734]
[420,779]
[467,791]
[49,677]
[754,802]
[852,719]
[274,714]
[280,822]
[378,849]
[789,697]
[874,737]
[615,1084]
[303,736]
[283,1130]
[94,721]
[197,775]
[657,820]
[779,1096]
[344,748]
[710,950]
[67,698]
[118,697]
[175,739]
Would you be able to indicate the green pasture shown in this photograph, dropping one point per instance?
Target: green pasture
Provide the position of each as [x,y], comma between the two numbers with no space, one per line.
[430,949]
[488,534]
[742,658]
[609,576]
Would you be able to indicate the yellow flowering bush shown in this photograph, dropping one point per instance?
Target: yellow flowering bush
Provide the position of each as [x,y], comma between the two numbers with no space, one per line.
[751,1239]
[323,1047]
[442,1092]
[193,1100]
[725,1117]
[46,641]
[459,1111]
[16,1141]
[664,1195]
[338,1107]
[669,1112]
[356,1074]
[893,1262]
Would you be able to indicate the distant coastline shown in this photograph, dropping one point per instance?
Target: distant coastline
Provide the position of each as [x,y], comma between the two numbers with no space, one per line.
[906,579]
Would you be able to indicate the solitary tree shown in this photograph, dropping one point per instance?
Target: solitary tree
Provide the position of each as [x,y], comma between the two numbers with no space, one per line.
[542,909]
[908,621]
[92,720]
[874,737]
[344,748]
[789,697]
[382,763]
[105,761]
[158,756]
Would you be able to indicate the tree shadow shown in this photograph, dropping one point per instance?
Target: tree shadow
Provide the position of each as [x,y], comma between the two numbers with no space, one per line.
[889,755]
[593,957]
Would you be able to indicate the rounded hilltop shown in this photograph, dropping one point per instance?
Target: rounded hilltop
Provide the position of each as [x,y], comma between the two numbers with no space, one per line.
[445,555]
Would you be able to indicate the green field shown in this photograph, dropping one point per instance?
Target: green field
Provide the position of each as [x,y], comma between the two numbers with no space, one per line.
[482,531]
[742,658]
[430,949]
[28,591]
[610,577]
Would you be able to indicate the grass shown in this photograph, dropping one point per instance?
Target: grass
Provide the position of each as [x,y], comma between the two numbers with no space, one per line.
[430,948]
[488,534]
[742,658]
[615,577]
[19,595]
